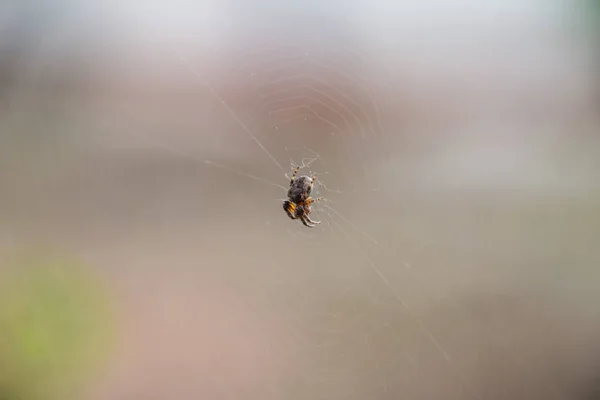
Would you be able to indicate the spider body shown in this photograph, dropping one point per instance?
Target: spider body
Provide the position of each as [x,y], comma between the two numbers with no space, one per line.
[299,201]
[300,189]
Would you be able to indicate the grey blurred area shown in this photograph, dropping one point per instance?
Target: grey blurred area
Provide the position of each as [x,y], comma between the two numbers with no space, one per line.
[458,148]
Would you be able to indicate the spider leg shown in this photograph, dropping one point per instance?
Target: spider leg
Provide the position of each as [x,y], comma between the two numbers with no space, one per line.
[309,201]
[294,175]
[305,220]
[313,180]
[311,221]
[290,209]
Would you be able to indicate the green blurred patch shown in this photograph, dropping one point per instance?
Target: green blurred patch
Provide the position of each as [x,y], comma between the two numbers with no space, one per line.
[56,325]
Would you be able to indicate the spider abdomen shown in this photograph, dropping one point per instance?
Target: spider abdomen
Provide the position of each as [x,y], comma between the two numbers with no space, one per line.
[300,189]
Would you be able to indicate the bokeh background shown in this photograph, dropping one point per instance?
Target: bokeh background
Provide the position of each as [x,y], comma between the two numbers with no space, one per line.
[144,253]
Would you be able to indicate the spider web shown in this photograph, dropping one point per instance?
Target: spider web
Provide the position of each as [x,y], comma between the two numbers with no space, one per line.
[352,304]
[408,288]
[342,335]
[352,299]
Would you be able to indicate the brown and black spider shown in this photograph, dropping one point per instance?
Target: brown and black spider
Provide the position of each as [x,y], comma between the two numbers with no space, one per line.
[299,201]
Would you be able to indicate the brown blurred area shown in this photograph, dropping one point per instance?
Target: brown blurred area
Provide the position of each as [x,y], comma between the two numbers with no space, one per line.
[462,138]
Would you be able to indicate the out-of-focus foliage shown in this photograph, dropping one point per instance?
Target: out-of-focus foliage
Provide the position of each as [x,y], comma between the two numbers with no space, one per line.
[56,325]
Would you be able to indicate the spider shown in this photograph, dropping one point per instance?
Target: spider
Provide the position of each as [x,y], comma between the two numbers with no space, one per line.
[299,201]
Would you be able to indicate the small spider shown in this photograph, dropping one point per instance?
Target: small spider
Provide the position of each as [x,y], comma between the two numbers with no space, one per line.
[299,201]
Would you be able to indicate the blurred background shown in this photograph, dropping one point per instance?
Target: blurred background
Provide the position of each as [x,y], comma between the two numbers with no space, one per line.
[144,253]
